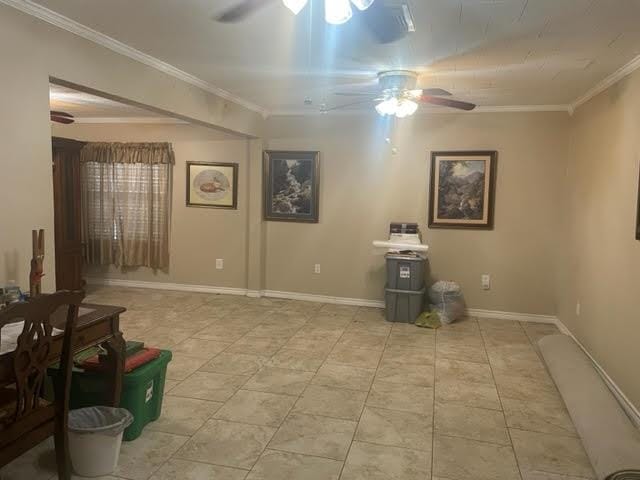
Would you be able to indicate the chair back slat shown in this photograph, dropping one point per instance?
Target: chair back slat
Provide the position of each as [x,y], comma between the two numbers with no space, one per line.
[32,355]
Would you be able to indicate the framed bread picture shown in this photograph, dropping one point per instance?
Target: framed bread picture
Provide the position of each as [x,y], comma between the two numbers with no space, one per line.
[212,185]
[462,189]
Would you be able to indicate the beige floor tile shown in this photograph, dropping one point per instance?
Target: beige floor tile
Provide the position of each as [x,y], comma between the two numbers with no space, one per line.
[165,337]
[197,347]
[551,453]
[547,417]
[362,326]
[535,475]
[235,364]
[274,465]
[411,329]
[540,390]
[536,331]
[460,351]
[363,340]
[222,333]
[473,423]
[422,375]
[411,340]
[395,428]
[139,459]
[376,462]
[463,459]
[184,470]
[311,344]
[313,435]
[356,357]
[343,376]
[216,387]
[169,384]
[409,356]
[183,416]
[471,394]
[266,346]
[499,338]
[256,408]
[331,402]
[499,324]
[406,398]
[277,328]
[328,322]
[332,309]
[181,366]
[39,463]
[279,380]
[370,313]
[228,444]
[455,370]
[297,360]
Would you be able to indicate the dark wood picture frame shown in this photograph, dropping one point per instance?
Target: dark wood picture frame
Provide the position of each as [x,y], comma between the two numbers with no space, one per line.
[271,156]
[191,202]
[489,205]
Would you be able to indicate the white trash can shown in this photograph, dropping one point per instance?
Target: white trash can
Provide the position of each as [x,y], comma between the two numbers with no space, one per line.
[95,436]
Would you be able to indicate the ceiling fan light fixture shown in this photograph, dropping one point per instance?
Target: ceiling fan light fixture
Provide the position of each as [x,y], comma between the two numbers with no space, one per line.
[337,12]
[400,108]
[295,6]
[387,106]
[406,108]
[362,4]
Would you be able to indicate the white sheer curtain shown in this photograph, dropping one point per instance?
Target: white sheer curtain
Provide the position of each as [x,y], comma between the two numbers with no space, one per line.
[126,203]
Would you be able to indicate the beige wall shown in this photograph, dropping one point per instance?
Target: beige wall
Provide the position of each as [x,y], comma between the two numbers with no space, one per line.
[30,52]
[602,257]
[198,235]
[364,187]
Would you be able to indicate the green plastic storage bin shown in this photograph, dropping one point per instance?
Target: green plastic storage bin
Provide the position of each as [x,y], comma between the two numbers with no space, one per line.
[142,392]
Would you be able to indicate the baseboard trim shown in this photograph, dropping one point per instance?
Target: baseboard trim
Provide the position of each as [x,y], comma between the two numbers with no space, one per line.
[630,409]
[517,317]
[310,297]
[179,287]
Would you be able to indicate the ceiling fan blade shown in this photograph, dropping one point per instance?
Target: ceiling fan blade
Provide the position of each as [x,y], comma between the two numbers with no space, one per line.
[357,94]
[65,120]
[241,10]
[338,107]
[61,114]
[382,23]
[447,102]
[437,92]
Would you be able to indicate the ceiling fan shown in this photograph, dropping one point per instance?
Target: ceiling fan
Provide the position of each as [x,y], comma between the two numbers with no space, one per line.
[61,117]
[398,96]
[387,24]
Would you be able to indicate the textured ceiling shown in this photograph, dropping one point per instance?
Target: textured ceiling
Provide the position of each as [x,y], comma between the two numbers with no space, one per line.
[491,52]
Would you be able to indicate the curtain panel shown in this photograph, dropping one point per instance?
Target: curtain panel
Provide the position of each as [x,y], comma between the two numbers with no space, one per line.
[126,203]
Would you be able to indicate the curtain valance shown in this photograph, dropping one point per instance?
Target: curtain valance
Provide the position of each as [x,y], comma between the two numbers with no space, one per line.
[144,153]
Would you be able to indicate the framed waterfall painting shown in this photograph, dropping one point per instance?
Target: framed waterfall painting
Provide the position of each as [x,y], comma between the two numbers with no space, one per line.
[291,186]
[462,193]
[212,185]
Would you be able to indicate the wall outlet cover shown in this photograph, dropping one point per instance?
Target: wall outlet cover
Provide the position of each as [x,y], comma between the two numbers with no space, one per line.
[219,263]
[485,281]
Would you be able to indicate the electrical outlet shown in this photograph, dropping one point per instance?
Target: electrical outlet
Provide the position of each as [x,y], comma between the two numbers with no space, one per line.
[485,281]
[316,268]
[219,263]
[577,309]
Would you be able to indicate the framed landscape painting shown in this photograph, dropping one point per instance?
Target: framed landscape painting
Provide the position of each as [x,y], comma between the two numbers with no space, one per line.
[212,185]
[291,186]
[462,193]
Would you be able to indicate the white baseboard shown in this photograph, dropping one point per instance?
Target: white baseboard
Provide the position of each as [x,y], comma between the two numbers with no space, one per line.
[179,287]
[309,297]
[630,409]
[518,317]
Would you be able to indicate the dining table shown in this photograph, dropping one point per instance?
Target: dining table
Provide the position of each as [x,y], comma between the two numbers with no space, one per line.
[96,325]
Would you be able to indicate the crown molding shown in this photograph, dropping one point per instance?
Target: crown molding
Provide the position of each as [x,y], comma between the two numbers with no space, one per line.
[443,111]
[131,120]
[606,83]
[31,8]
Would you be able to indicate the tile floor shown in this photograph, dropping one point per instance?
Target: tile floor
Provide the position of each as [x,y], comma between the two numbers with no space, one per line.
[266,389]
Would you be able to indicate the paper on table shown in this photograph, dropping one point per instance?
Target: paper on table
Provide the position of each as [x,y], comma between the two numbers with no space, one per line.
[9,336]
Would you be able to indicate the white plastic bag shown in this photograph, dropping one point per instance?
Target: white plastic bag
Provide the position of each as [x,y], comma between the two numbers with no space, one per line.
[447,301]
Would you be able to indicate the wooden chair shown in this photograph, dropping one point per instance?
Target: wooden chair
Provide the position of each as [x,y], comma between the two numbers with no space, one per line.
[25,418]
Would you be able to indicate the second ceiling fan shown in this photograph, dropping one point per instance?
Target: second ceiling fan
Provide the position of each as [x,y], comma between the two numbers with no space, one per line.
[385,23]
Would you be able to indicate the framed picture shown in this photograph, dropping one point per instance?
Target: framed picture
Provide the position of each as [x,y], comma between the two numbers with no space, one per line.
[291,186]
[462,189]
[212,185]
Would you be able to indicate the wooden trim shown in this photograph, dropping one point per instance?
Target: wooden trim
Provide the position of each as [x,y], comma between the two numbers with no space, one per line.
[638,212]
[493,155]
[234,166]
[266,170]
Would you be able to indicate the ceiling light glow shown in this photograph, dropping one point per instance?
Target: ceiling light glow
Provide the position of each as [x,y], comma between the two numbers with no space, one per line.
[400,108]
[337,12]
[362,4]
[295,5]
